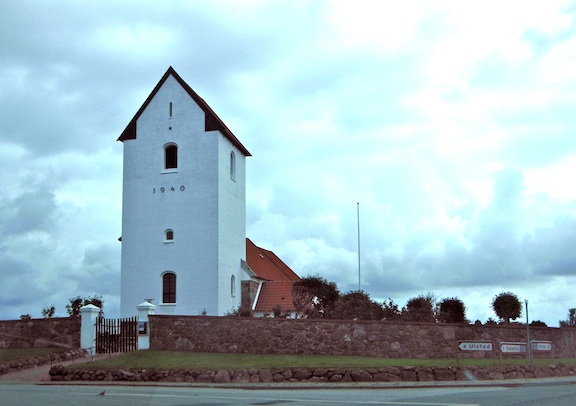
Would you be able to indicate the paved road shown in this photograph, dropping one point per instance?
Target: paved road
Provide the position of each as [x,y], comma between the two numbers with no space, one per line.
[74,395]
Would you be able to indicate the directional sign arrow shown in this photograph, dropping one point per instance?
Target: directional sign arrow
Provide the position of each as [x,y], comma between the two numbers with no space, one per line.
[475,346]
[542,346]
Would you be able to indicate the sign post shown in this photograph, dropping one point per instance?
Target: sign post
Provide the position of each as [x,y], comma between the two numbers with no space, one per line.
[528,349]
[539,345]
[521,348]
[512,348]
[475,345]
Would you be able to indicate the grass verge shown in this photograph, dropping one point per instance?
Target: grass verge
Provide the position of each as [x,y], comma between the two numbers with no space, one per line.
[171,359]
[18,354]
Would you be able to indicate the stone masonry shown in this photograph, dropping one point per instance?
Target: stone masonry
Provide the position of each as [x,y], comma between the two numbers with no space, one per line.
[328,337]
[53,332]
[317,375]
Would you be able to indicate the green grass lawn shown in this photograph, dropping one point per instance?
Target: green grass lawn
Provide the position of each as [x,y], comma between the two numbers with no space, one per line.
[17,354]
[171,359]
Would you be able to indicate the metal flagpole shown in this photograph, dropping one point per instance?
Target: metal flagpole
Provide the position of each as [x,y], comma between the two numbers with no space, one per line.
[358,218]
[528,343]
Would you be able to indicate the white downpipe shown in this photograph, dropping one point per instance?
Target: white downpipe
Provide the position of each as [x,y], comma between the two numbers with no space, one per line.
[257,296]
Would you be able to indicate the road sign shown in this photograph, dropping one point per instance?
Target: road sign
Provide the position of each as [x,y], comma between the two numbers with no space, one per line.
[541,345]
[513,347]
[475,346]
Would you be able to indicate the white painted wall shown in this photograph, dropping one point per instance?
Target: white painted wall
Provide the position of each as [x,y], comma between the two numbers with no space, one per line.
[208,216]
[231,226]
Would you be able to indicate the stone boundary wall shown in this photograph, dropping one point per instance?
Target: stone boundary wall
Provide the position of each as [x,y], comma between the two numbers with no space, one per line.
[318,375]
[14,366]
[329,337]
[54,332]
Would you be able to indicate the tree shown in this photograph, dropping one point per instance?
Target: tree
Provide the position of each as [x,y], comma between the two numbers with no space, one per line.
[25,317]
[390,310]
[355,305]
[571,320]
[507,306]
[420,309]
[314,296]
[538,323]
[73,308]
[238,312]
[48,312]
[452,310]
[278,312]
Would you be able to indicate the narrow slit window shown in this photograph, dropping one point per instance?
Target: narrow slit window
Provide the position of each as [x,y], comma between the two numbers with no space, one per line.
[232,286]
[232,166]
[171,157]
[170,110]
[169,287]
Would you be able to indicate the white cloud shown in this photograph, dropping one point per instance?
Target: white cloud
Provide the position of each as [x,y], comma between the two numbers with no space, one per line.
[372,25]
[140,39]
[451,123]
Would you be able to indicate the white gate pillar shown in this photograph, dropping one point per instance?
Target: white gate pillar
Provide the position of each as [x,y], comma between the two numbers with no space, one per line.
[89,314]
[144,310]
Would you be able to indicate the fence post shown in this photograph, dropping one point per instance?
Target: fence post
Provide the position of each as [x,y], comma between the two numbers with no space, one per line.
[89,314]
[144,310]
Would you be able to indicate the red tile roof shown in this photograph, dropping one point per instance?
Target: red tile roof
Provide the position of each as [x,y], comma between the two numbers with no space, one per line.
[211,121]
[278,278]
[266,265]
[273,294]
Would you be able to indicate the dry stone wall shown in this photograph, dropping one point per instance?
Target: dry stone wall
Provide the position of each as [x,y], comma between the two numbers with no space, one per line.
[315,375]
[53,332]
[373,339]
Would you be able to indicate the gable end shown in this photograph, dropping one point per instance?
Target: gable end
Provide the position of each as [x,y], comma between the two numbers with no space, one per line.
[211,122]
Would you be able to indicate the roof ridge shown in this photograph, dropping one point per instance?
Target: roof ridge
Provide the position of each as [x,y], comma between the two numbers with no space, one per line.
[267,265]
[269,281]
[275,258]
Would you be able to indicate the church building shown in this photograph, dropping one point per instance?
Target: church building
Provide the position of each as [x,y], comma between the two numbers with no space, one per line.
[184,211]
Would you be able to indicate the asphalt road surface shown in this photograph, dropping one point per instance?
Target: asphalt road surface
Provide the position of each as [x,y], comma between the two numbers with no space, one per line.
[73,395]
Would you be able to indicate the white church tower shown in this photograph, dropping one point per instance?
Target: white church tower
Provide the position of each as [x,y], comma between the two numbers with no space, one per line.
[183,209]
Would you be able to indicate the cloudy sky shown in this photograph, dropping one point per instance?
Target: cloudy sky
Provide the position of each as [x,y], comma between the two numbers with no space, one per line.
[451,123]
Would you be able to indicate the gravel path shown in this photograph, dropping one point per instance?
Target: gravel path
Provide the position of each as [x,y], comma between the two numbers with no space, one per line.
[41,373]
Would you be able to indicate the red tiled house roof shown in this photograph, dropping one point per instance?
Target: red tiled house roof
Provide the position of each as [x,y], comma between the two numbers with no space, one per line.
[266,265]
[274,277]
[273,294]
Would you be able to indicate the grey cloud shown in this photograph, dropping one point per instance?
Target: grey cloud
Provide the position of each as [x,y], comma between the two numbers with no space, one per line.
[508,187]
[385,276]
[551,250]
[32,211]
[62,73]
[500,252]
[101,270]
[15,298]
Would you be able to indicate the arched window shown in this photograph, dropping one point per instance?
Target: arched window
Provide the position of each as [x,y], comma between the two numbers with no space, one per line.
[169,235]
[171,156]
[232,165]
[169,287]
[232,286]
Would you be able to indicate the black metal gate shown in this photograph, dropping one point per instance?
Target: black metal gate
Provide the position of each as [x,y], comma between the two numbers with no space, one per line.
[116,335]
